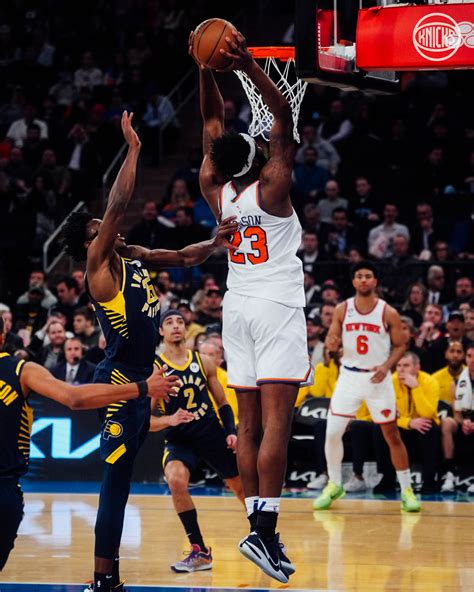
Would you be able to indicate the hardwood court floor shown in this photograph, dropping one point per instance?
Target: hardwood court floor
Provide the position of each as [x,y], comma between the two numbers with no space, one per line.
[360,545]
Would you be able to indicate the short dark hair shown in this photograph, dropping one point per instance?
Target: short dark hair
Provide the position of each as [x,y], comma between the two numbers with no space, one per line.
[364,265]
[74,235]
[229,153]
[70,282]
[187,211]
[84,312]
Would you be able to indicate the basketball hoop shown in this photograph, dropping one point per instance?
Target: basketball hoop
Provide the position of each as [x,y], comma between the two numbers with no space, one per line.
[280,67]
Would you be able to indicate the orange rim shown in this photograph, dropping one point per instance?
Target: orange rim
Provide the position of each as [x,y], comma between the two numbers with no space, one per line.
[280,53]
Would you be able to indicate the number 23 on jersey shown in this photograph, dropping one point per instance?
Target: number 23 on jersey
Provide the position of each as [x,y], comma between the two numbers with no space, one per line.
[258,243]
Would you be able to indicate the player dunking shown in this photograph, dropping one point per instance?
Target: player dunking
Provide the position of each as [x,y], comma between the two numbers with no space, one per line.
[372,341]
[193,432]
[127,308]
[263,321]
[18,379]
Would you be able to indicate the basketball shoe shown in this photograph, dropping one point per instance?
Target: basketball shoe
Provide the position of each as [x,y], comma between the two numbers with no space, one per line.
[448,483]
[330,494]
[319,483]
[197,560]
[117,588]
[354,485]
[285,561]
[266,555]
[409,502]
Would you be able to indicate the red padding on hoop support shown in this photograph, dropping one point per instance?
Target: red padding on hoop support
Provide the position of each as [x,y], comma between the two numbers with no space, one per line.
[439,37]
[283,53]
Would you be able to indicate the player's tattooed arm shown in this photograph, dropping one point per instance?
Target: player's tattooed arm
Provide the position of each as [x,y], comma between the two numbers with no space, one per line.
[399,346]
[188,256]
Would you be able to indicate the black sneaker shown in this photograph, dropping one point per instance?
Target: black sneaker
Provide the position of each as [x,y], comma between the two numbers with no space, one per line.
[285,561]
[265,555]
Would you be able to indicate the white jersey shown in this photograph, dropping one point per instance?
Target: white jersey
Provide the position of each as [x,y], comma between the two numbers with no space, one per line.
[365,338]
[265,264]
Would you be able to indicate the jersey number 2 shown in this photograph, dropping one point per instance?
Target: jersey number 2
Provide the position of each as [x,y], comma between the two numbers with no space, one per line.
[189,394]
[362,344]
[258,242]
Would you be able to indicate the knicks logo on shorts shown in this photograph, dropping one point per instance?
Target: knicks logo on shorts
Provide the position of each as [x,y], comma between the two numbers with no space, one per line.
[386,412]
[113,429]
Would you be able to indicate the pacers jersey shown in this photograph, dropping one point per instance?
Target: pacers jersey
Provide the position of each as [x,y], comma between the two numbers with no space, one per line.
[193,396]
[365,338]
[130,321]
[265,264]
[16,418]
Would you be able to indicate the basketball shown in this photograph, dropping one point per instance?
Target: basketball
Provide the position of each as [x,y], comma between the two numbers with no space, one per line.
[209,39]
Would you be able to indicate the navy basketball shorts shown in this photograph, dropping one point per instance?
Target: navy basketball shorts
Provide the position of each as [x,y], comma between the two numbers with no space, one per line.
[11,515]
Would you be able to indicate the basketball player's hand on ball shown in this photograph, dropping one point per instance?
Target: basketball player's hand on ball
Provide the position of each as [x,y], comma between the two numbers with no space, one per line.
[333,343]
[129,133]
[380,372]
[227,227]
[238,53]
[231,442]
[161,386]
[181,416]
[191,53]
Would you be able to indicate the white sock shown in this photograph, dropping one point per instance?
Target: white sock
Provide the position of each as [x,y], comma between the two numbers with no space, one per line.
[251,503]
[269,504]
[333,446]
[404,478]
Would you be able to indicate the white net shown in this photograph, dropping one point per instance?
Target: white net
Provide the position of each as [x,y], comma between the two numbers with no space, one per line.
[284,76]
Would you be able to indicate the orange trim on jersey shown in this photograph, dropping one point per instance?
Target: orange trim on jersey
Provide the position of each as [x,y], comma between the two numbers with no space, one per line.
[243,388]
[238,196]
[291,380]
[366,313]
[341,414]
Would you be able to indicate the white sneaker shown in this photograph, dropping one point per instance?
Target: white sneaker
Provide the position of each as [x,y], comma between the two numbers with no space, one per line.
[355,484]
[319,483]
[448,483]
[470,489]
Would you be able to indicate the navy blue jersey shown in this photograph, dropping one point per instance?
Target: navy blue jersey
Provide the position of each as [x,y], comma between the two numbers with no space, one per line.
[16,419]
[193,396]
[130,321]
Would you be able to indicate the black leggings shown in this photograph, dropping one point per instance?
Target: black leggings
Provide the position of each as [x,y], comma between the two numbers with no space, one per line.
[113,499]
[11,515]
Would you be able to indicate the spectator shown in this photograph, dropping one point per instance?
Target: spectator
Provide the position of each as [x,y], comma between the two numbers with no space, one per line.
[67,291]
[18,130]
[363,208]
[85,329]
[74,369]
[330,293]
[159,113]
[31,315]
[380,243]
[463,292]
[83,163]
[433,176]
[336,128]
[147,232]
[38,278]
[314,328]
[448,376]
[435,280]
[328,204]
[441,252]
[88,76]
[311,289]
[403,269]
[80,277]
[187,231]
[328,156]
[179,198]
[231,120]
[210,315]
[310,254]
[469,318]
[193,329]
[312,219]
[429,335]
[59,177]
[33,146]
[415,303]
[426,232]
[12,342]
[50,355]
[340,236]
[309,179]
[326,313]
[417,396]
[64,92]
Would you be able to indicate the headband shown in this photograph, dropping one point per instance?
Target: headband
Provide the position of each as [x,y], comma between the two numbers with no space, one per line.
[253,149]
[170,313]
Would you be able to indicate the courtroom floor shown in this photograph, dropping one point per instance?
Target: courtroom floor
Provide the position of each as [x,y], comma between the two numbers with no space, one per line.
[362,545]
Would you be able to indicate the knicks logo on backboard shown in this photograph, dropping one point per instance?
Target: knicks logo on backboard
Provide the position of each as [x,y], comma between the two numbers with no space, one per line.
[437,36]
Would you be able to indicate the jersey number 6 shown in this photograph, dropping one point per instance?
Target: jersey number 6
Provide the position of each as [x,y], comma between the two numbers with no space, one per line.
[362,344]
[258,242]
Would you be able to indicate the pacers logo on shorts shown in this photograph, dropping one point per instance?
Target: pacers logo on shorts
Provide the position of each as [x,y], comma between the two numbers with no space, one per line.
[113,429]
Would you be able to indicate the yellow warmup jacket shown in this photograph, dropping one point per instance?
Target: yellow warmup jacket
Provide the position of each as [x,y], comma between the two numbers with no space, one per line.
[446,381]
[421,401]
[229,392]
[325,378]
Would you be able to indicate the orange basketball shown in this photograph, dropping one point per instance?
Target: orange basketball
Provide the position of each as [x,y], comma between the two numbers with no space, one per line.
[209,38]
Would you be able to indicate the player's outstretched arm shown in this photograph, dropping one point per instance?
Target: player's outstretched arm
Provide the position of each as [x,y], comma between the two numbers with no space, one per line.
[394,324]
[102,248]
[188,256]
[333,338]
[159,423]
[93,396]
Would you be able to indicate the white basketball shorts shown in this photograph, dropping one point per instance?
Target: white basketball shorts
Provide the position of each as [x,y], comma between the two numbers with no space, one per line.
[354,387]
[264,341]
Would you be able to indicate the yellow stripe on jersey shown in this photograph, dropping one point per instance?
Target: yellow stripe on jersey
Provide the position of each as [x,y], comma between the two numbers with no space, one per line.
[198,358]
[171,365]
[116,454]
[18,367]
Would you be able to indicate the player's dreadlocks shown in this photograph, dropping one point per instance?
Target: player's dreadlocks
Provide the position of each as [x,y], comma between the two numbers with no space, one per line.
[229,153]
[74,235]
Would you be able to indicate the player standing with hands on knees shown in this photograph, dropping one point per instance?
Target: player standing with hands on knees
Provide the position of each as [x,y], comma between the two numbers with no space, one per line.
[264,329]
[372,341]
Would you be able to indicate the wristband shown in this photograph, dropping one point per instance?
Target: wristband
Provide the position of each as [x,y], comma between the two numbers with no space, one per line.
[227,417]
[142,388]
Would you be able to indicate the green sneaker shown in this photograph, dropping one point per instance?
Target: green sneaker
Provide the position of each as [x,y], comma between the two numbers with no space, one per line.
[409,501]
[330,493]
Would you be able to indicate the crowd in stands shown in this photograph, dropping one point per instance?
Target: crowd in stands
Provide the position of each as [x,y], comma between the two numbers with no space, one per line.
[388,178]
